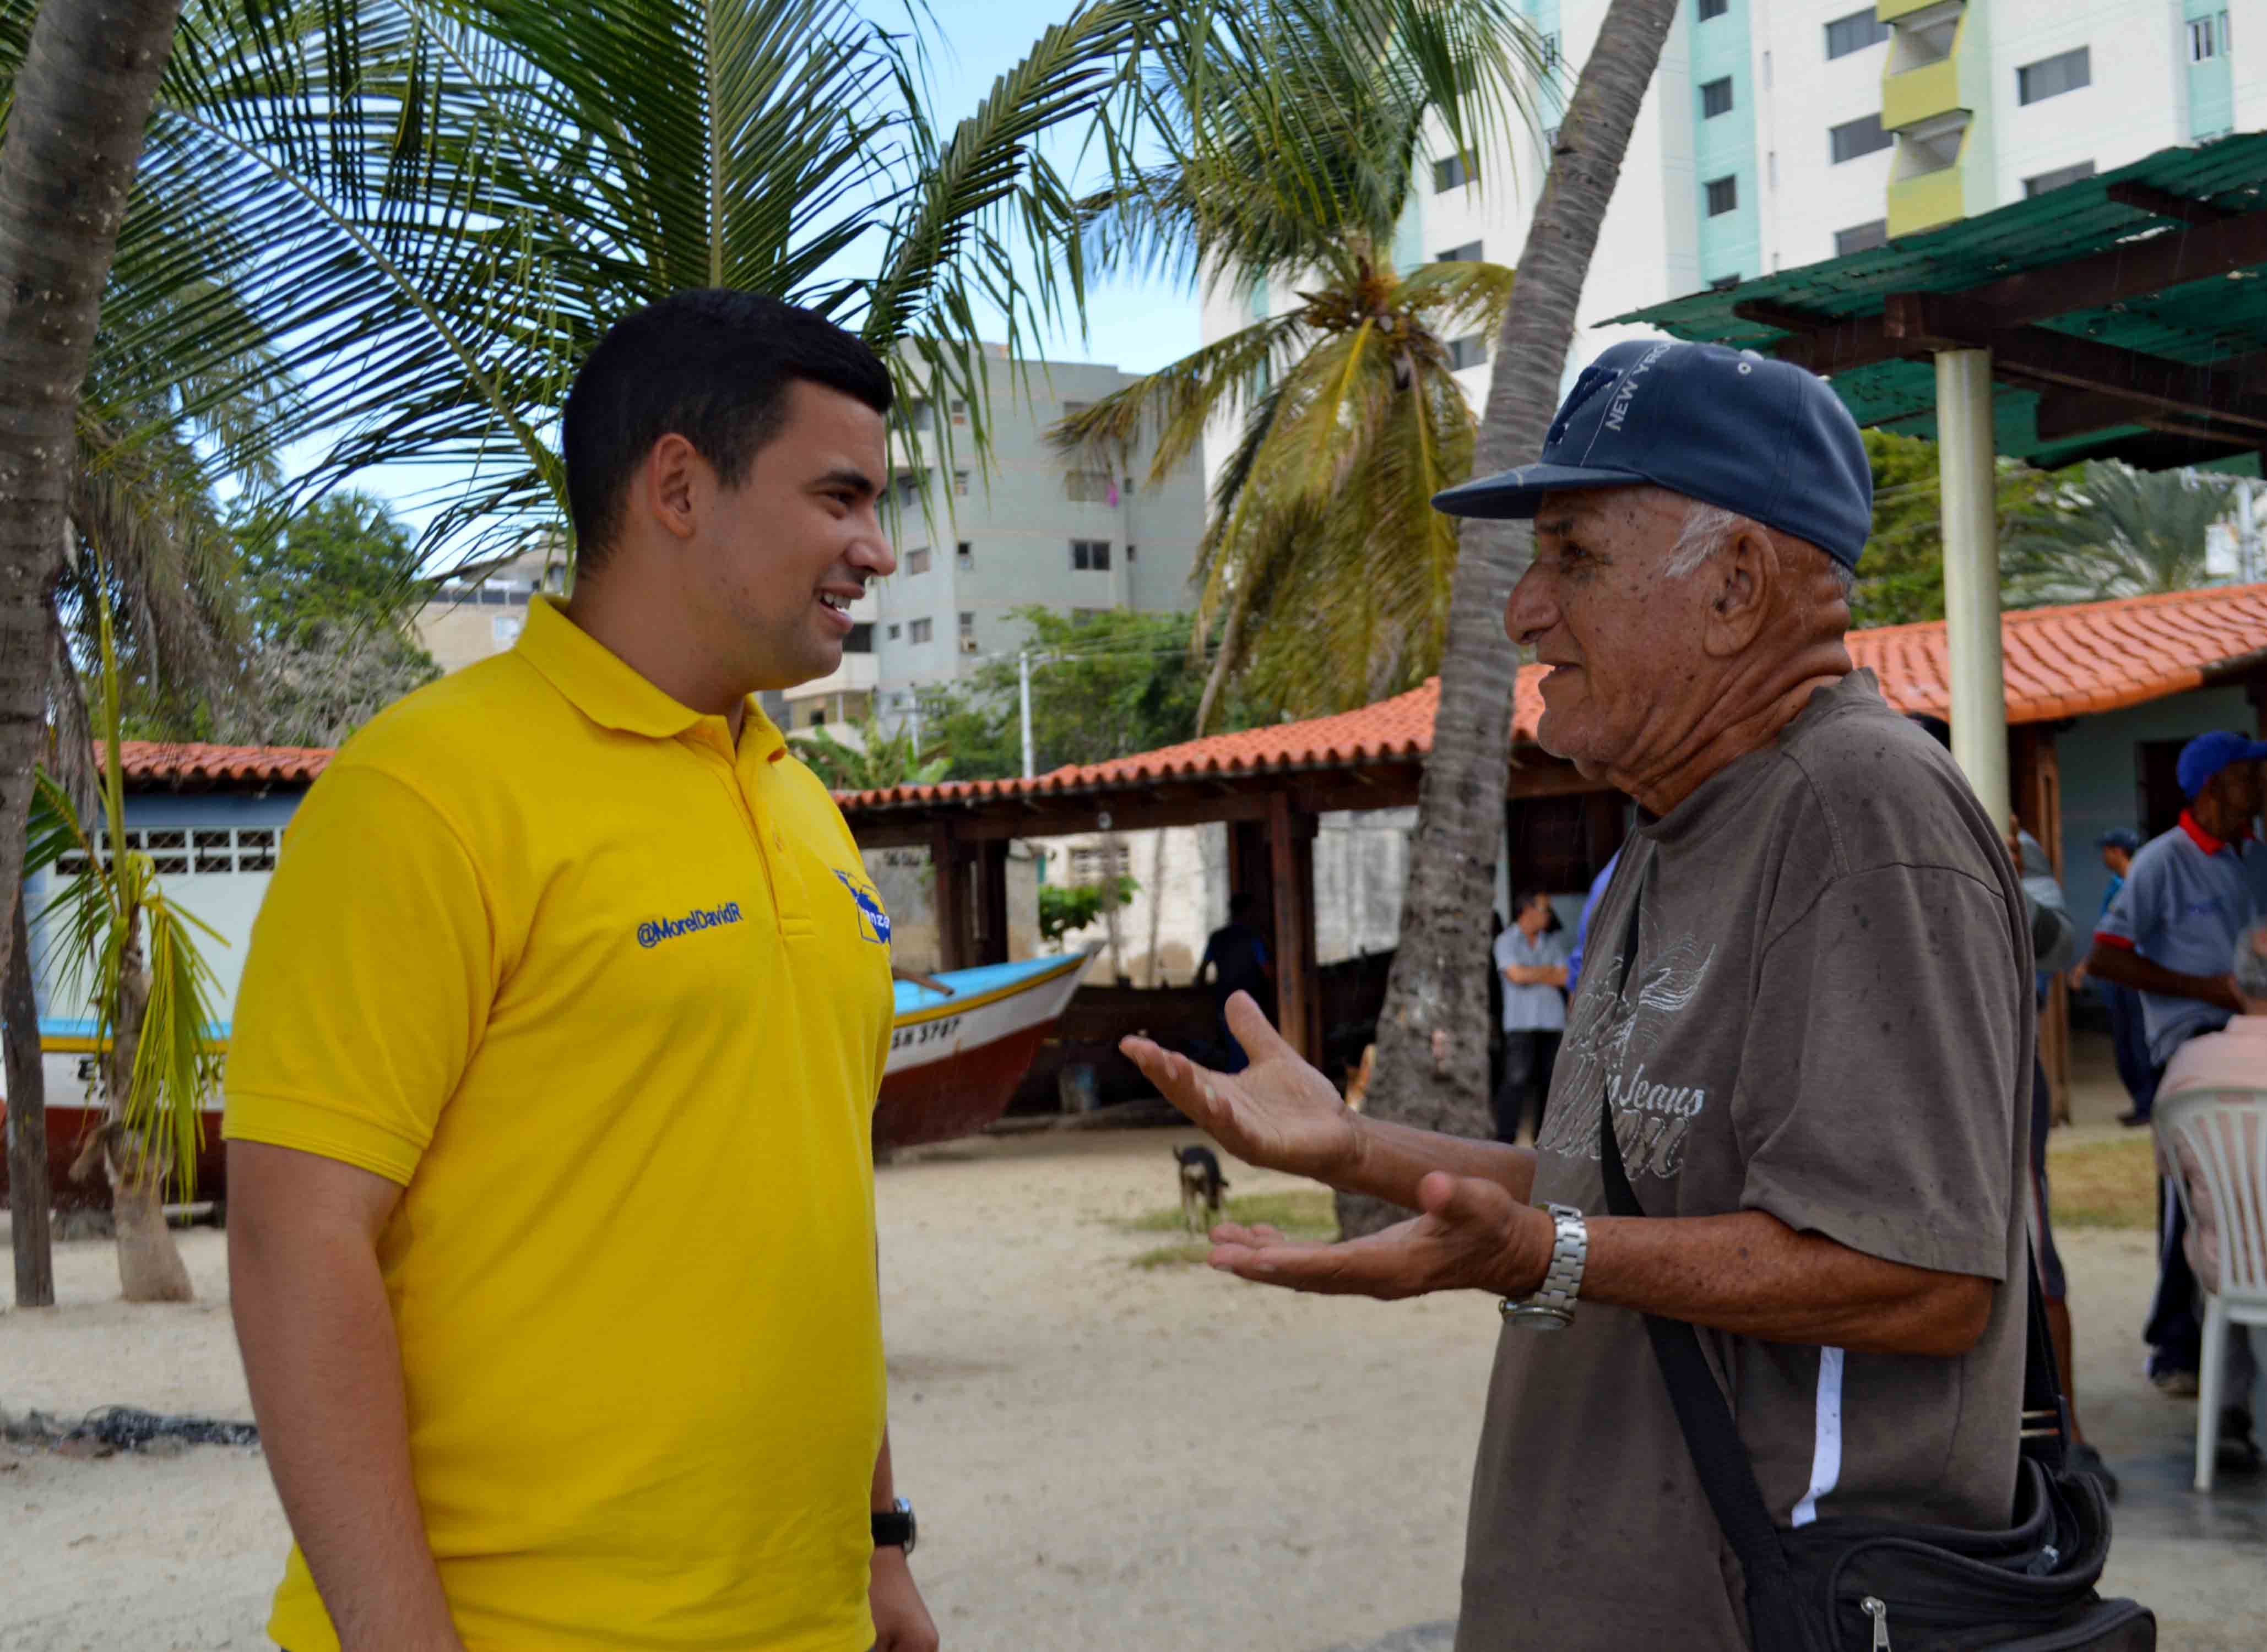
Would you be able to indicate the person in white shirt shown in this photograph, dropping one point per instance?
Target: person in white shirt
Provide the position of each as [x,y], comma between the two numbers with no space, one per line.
[1531,958]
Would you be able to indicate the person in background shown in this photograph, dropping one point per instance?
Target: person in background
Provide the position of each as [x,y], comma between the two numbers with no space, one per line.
[1531,961]
[2126,1035]
[2168,935]
[1582,924]
[2234,1058]
[1236,956]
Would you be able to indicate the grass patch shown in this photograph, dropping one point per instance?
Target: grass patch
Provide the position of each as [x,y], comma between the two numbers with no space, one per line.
[1189,1255]
[2104,1184]
[1302,1213]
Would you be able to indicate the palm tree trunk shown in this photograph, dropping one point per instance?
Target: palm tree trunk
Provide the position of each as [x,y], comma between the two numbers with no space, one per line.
[149,1267]
[74,137]
[1438,982]
[28,1192]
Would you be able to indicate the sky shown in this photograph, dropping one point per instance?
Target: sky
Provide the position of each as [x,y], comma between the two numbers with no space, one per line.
[1134,325]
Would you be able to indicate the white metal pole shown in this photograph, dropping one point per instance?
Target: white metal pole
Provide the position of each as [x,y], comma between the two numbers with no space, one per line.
[1023,695]
[1971,575]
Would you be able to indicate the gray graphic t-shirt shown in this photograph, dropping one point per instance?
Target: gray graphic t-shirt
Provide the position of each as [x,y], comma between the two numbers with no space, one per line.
[1828,1017]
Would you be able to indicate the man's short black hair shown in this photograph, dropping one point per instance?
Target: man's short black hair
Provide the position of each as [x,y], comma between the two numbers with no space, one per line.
[711,365]
[1240,903]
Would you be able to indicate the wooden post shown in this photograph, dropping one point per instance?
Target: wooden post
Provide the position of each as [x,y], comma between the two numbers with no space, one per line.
[27,1127]
[992,901]
[956,918]
[1291,864]
[2035,767]
[2255,691]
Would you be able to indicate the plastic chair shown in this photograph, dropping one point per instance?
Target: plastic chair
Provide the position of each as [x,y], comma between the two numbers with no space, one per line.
[2224,1132]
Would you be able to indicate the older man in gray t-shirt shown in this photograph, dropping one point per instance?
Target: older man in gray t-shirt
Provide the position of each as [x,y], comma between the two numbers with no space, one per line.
[1805,1012]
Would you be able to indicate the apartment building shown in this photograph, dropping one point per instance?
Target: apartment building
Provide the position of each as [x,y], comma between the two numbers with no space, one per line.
[483,611]
[1778,133]
[1030,526]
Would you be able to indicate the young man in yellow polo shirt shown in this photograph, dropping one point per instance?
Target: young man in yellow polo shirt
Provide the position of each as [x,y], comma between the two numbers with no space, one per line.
[552,1082]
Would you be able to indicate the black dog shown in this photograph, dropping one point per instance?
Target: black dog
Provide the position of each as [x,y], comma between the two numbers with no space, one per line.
[1201,1186]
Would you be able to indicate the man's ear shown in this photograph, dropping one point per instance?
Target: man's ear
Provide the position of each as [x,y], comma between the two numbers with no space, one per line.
[668,487]
[1744,578]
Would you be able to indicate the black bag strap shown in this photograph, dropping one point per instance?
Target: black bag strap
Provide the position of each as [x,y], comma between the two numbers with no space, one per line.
[1713,1436]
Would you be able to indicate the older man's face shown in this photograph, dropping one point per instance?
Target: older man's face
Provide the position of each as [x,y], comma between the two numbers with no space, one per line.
[1622,651]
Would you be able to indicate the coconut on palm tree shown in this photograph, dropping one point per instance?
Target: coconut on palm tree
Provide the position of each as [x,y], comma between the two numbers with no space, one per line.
[1295,131]
[2111,531]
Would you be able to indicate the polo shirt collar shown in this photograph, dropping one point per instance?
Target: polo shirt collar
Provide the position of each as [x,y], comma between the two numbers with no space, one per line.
[608,691]
[2204,840]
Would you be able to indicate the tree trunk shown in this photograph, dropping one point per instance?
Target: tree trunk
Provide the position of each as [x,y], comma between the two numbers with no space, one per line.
[149,1267]
[28,1191]
[82,101]
[1439,983]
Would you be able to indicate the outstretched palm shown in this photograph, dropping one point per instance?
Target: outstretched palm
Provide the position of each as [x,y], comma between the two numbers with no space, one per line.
[1278,1112]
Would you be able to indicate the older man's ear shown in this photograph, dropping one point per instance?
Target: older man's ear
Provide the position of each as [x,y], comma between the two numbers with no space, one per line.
[1746,581]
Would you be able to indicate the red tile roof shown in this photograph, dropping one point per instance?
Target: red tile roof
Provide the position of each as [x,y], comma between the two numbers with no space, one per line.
[164,762]
[2060,662]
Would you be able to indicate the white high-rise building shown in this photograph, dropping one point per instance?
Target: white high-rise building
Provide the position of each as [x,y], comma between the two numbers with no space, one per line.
[1778,133]
[1030,527]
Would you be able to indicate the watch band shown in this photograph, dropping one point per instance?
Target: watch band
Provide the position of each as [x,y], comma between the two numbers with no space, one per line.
[894,1527]
[1551,1306]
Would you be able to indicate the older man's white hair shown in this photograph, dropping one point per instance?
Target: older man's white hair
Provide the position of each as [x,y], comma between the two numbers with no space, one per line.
[1709,530]
[2250,969]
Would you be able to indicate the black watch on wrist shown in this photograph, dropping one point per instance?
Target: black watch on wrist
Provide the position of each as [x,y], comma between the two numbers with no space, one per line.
[895,1530]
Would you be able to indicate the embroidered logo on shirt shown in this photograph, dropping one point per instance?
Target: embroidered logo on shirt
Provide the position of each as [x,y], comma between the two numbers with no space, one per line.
[655,931]
[873,920]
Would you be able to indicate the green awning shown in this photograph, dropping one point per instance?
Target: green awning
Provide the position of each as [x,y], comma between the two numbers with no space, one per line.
[2127,313]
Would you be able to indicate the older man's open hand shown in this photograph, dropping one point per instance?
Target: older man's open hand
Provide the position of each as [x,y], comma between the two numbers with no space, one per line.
[1278,1112]
[1472,1235]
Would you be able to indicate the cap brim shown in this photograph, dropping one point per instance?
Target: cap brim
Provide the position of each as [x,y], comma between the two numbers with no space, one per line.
[1514,495]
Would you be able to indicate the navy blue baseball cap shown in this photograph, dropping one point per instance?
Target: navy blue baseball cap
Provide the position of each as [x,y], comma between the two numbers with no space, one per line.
[1762,438]
[2119,837]
[2208,754]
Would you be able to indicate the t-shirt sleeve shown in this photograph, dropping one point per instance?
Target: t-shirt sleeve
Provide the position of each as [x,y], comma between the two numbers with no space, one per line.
[368,983]
[1875,1102]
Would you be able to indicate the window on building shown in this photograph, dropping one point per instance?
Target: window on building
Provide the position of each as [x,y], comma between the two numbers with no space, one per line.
[1072,409]
[894,630]
[1093,864]
[1089,487]
[960,484]
[1469,351]
[860,640]
[917,413]
[1725,283]
[959,411]
[908,490]
[1453,173]
[1090,556]
[922,630]
[1853,138]
[1549,51]
[1468,254]
[1855,32]
[1129,553]
[2051,76]
[917,560]
[967,633]
[1716,98]
[1723,196]
[1862,237]
[963,554]
[1713,9]
[2057,177]
[2207,38]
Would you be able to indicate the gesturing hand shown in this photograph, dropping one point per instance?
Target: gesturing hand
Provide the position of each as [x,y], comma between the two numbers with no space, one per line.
[1278,1112]
[1472,1236]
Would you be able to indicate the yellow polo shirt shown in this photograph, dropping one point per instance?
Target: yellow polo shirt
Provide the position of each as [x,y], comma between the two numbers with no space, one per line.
[610,1000]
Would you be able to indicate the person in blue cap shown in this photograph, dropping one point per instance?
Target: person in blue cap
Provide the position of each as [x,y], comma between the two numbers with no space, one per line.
[2168,935]
[2127,1037]
[1804,1012]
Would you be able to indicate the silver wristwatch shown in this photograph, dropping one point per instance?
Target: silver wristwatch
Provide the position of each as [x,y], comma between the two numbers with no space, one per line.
[1552,1307]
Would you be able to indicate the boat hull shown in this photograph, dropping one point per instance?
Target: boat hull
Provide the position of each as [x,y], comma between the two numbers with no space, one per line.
[956,1062]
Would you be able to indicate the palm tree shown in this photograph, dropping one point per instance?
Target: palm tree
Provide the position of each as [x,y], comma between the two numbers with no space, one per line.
[1438,982]
[2115,531]
[876,761]
[1295,129]
[136,954]
[75,119]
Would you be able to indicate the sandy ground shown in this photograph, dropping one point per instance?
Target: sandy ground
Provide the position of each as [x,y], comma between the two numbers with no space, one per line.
[1103,1457]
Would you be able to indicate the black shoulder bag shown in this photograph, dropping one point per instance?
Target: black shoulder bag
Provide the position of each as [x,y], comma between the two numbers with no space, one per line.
[1848,1584]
